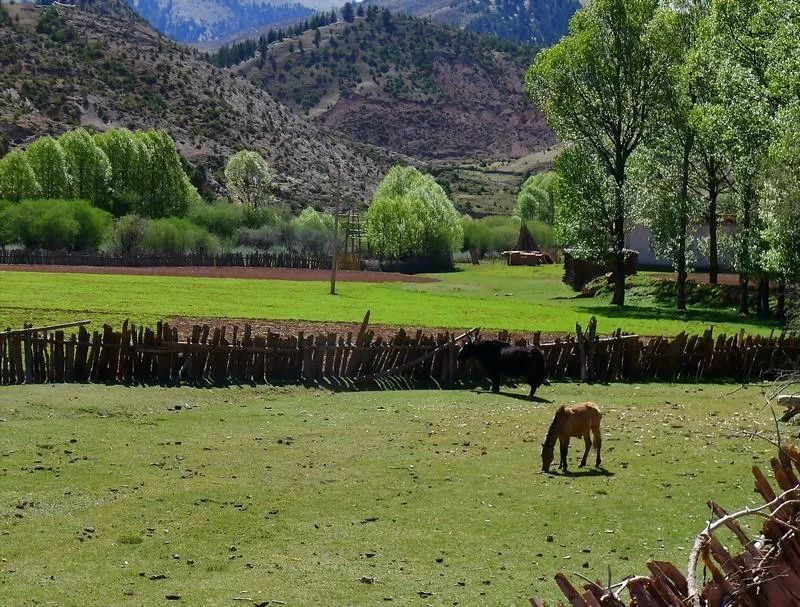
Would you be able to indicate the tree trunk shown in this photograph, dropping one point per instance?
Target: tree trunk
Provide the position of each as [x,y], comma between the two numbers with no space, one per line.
[744,286]
[759,299]
[763,296]
[744,237]
[780,304]
[682,275]
[619,242]
[619,279]
[713,246]
[684,200]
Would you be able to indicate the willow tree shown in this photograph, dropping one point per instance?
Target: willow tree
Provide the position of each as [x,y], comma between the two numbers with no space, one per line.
[127,154]
[248,178]
[166,189]
[17,179]
[535,200]
[410,215]
[49,164]
[89,167]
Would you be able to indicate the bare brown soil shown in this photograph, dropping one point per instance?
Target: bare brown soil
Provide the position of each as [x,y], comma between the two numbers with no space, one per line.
[292,327]
[227,272]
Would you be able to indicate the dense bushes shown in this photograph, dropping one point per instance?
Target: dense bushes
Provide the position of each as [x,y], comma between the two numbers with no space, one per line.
[53,224]
[176,235]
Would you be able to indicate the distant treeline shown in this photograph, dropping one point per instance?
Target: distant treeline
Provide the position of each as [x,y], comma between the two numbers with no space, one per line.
[233,54]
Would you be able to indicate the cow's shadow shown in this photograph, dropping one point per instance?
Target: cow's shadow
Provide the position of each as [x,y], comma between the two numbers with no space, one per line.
[515,396]
[581,472]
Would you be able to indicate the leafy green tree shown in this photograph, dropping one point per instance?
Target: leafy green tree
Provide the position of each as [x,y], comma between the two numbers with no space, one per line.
[667,203]
[248,179]
[744,46]
[781,232]
[166,189]
[664,202]
[712,176]
[17,179]
[601,88]
[534,201]
[410,215]
[89,167]
[127,155]
[49,164]
[585,198]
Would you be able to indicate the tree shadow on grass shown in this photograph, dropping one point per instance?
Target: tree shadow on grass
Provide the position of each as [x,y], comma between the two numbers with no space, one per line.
[650,313]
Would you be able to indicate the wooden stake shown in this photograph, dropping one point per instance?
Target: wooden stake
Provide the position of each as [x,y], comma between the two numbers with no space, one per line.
[335,243]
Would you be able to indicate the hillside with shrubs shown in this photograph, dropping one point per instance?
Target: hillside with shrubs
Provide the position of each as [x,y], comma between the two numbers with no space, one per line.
[416,87]
[102,66]
[541,22]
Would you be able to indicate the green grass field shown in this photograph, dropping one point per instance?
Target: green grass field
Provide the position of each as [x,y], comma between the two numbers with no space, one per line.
[122,496]
[493,296]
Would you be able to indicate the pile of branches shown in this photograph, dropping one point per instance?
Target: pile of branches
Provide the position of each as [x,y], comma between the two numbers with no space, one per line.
[765,573]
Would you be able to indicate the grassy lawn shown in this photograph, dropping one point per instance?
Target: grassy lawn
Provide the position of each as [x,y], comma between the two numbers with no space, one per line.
[493,296]
[121,496]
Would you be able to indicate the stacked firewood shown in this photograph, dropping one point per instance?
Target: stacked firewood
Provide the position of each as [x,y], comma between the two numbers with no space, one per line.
[766,573]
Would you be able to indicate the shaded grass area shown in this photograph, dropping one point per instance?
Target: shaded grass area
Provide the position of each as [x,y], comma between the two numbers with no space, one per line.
[493,296]
[114,495]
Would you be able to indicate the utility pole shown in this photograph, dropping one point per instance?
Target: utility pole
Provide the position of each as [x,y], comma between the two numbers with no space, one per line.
[335,243]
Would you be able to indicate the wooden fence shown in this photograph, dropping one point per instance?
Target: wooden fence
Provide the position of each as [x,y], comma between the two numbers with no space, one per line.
[235,354]
[136,260]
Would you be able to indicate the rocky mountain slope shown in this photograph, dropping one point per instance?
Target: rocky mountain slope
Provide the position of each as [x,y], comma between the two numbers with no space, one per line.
[540,22]
[104,66]
[208,20]
[408,84]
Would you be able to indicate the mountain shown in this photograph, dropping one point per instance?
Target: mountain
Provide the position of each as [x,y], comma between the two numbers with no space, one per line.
[209,20]
[409,85]
[541,22]
[105,67]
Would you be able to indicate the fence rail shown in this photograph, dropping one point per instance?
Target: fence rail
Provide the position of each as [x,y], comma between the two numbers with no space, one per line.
[221,355]
[94,258]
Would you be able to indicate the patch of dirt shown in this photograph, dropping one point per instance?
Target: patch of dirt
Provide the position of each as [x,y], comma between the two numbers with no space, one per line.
[292,327]
[228,272]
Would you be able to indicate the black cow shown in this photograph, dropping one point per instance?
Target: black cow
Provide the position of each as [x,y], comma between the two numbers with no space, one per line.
[501,359]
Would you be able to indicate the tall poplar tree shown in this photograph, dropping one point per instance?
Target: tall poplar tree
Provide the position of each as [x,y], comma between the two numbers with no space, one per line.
[601,88]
